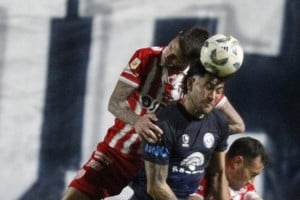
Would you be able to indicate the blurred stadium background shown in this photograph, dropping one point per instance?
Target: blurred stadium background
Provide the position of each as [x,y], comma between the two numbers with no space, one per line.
[60,60]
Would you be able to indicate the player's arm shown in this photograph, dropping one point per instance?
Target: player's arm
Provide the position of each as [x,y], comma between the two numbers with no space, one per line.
[119,107]
[235,121]
[219,188]
[157,186]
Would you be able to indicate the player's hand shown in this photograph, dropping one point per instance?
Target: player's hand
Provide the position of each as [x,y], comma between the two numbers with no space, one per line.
[146,128]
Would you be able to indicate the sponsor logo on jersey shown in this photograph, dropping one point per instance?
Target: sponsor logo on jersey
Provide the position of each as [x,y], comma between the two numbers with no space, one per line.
[156,150]
[208,140]
[185,140]
[149,103]
[135,63]
[191,164]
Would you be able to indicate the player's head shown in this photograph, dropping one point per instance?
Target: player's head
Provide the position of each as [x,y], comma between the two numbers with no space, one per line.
[202,88]
[245,159]
[184,48]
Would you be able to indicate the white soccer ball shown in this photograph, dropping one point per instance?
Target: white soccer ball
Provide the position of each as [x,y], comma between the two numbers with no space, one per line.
[222,55]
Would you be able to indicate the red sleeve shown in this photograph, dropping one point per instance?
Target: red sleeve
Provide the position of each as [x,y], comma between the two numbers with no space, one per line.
[138,65]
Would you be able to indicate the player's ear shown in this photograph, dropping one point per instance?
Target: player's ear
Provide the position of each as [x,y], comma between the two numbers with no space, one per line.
[189,83]
[237,161]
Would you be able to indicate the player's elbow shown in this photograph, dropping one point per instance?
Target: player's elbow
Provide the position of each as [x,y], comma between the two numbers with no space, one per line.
[238,127]
[153,191]
[113,106]
[156,192]
[110,107]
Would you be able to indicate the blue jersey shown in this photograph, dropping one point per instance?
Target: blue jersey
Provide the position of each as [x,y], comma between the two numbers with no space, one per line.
[186,146]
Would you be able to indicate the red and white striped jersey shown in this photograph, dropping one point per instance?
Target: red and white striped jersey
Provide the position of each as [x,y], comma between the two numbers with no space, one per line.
[245,193]
[154,86]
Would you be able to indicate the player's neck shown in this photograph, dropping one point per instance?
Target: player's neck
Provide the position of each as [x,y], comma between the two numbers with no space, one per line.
[192,109]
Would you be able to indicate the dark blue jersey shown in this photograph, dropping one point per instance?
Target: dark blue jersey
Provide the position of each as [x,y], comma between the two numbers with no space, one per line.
[186,146]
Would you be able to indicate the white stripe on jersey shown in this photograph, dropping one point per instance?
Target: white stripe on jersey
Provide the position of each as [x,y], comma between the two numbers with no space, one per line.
[119,135]
[128,143]
[129,82]
[124,131]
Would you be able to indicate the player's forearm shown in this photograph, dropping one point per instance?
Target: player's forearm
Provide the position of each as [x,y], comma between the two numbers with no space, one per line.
[118,104]
[235,122]
[236,128]
[221,189]
[162,192]
[122,111]
[219,183]
[157,186]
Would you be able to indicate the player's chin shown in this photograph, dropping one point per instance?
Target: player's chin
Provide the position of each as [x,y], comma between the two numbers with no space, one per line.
[237,186]
[207,109]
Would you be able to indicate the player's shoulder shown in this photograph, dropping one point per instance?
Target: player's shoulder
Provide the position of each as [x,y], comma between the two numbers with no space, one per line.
[139,62]
[155,50]
[218,115]
[168,111]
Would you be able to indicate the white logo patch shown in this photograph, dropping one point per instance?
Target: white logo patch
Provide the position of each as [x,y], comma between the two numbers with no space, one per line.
[185,140]
[208,140]
[193,161]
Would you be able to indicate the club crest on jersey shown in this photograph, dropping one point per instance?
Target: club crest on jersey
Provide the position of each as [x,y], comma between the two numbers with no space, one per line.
[208,140]
[135,63]
[185,140]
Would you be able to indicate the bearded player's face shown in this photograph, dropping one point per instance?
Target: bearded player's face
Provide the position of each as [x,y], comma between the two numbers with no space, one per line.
[172,57]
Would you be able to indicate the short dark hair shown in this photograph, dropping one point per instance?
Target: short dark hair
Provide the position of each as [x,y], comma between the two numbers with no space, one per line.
[191,41]
[196,68]
[248,147]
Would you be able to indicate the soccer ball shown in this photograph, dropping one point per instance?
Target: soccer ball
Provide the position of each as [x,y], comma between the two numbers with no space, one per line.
[221,55]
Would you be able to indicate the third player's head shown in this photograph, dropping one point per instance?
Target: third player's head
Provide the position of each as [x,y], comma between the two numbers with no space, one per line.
[245,159]
[184,48]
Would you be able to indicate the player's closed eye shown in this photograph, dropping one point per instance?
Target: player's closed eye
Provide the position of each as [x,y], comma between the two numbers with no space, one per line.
[220,90]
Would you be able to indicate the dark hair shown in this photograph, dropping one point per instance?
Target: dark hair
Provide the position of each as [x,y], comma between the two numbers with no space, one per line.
[248,147]
[196,68]
[191,41]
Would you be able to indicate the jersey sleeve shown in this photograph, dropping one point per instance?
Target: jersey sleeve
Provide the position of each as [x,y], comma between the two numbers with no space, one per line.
[159,153]
[131,73]
[138,66]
